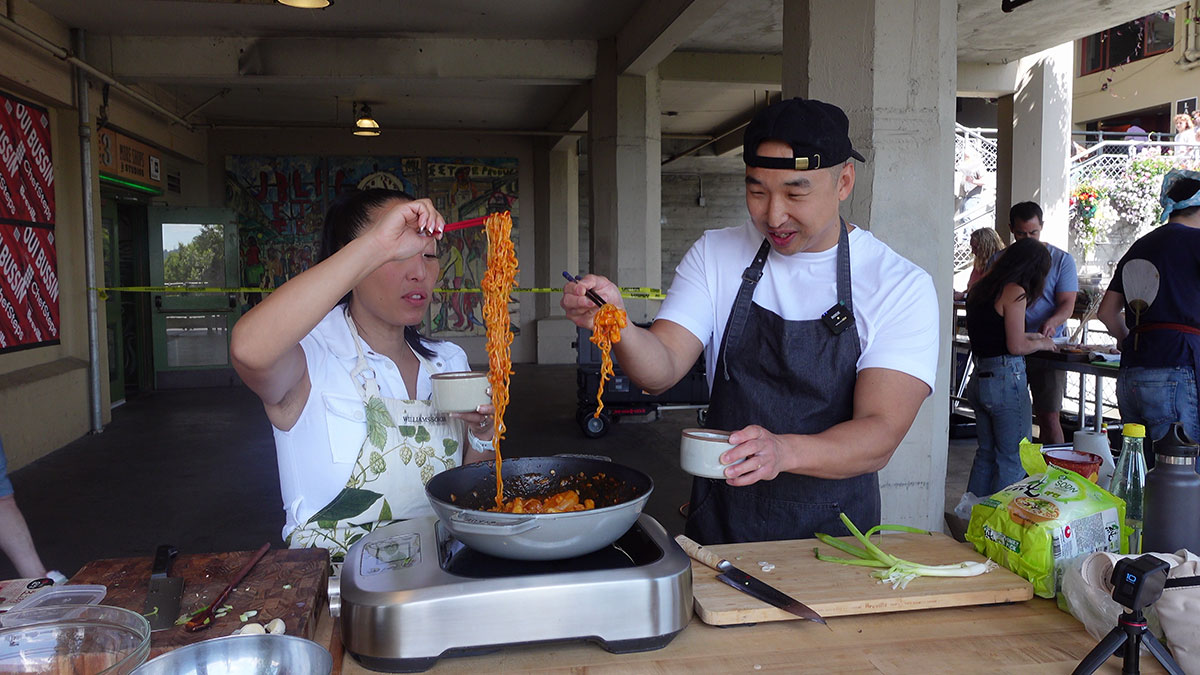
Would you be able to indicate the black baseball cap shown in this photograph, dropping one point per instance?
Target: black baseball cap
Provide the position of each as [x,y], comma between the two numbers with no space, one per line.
[818,132]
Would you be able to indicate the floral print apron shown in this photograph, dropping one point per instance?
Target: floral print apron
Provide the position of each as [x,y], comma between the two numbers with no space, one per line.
[408,441]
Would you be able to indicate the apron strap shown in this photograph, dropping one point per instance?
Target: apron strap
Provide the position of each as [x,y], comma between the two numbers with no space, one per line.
[751,276]
[364,375]
[843,269]
[741,304]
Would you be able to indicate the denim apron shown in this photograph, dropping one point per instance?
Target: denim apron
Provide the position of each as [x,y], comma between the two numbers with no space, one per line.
[790,377]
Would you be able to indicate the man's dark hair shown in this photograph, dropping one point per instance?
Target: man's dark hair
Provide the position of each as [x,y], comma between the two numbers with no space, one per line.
[347,217]
[1026,264]
[1183,189]
[1024,211]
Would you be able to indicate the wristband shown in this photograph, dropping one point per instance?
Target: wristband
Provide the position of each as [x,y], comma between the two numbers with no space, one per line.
[478,445]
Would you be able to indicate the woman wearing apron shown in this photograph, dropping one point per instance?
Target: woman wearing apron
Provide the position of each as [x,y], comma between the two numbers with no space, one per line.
[336,358]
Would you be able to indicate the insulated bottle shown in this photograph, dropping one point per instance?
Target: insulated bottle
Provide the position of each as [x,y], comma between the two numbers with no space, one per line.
[1129,481]
[1173,495]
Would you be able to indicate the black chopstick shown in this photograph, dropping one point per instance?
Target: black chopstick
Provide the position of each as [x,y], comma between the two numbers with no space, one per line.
[592,295]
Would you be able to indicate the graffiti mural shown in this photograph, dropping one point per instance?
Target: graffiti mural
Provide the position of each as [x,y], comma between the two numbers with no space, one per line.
[467,188]
[281,201]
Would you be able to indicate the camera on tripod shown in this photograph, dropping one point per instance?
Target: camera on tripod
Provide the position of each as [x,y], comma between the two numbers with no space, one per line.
[1137,584]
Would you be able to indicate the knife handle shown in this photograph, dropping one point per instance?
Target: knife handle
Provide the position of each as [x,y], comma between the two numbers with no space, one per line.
[162,560]
[700,553]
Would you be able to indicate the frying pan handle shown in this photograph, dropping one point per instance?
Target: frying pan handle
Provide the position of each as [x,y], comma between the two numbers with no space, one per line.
[465,522]
[700,553]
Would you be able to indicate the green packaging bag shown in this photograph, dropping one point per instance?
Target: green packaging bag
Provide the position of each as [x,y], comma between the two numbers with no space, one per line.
[1036,524]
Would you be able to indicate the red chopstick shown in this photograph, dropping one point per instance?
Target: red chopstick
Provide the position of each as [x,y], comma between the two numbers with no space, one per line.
[463,224]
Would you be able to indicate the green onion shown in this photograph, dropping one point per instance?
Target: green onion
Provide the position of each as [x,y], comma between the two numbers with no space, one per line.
[899,572]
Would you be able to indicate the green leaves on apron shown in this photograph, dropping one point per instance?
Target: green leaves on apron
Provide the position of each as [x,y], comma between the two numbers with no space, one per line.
[350,502]
[450,445]
[378,420]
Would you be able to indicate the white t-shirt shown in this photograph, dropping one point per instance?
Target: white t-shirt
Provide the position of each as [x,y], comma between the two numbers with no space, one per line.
[895,306]
[317,455]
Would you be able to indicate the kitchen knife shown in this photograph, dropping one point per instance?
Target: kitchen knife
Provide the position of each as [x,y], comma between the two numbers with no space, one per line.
[746,583]
[162,600]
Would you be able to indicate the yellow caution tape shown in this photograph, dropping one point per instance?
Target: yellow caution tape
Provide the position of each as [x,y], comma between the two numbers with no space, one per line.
[626,291]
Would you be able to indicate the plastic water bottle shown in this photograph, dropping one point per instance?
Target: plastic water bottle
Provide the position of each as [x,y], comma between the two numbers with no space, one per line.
[1129,482]
[1173,495]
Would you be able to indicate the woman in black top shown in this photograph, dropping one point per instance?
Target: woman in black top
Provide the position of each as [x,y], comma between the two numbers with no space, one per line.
[998,391]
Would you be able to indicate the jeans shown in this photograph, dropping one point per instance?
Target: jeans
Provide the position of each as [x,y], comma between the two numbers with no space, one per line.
[999,395]
[1156,397]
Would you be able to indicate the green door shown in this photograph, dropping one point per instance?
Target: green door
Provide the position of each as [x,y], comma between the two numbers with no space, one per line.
[193,249]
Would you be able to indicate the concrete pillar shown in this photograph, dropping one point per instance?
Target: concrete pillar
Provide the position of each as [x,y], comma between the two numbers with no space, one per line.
[624,160]
[556,237]
[1041,139]
[796,42]
[1004,165]
[892,70]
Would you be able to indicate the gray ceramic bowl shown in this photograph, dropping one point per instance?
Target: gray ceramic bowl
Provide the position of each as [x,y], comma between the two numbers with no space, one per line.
[243,655]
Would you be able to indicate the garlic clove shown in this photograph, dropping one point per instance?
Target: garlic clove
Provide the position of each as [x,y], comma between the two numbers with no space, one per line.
[277,627]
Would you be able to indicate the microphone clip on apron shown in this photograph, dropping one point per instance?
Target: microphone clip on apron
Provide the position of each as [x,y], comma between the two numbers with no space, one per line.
[408,441]
[790,377]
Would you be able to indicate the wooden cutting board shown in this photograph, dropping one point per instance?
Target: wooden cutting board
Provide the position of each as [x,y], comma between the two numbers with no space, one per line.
[838,590]
[206,574]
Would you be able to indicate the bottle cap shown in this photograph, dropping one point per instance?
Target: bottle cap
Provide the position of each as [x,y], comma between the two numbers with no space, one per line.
[1176,443]
[1133,430]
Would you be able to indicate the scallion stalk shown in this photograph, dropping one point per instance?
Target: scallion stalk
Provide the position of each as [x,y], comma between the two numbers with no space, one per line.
[899,572]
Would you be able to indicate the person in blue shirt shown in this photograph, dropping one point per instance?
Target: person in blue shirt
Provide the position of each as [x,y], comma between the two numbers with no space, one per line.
[15,539]
[1047,314]
[1152,307]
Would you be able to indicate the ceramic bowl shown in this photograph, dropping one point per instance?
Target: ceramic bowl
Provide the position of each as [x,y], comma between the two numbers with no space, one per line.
[700,452]
[460,391]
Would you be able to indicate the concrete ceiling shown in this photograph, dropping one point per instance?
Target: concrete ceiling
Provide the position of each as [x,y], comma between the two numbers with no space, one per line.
[473,64]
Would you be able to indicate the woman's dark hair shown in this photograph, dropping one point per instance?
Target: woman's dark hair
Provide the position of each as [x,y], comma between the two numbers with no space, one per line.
[1026,264]
[349,215]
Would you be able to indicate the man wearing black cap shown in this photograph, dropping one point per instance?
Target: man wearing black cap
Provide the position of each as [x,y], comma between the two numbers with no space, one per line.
[821,342]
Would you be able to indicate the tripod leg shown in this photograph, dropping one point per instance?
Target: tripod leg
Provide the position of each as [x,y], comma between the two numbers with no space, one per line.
[1160,652]
[1110,645]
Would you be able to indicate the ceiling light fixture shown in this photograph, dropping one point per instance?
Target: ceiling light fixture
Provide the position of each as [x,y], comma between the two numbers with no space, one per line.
[364,124]
[307,4]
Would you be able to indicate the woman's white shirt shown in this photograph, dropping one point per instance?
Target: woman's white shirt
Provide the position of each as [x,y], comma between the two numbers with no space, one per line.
[317,454]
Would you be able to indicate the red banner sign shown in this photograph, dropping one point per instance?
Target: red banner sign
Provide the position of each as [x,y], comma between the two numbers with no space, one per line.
[28,259]
[26,171]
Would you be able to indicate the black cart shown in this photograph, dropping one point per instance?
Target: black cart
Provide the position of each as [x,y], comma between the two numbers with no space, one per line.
[622,397]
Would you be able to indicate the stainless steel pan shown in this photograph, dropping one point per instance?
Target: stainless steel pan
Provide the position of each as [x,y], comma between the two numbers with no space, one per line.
[461,496]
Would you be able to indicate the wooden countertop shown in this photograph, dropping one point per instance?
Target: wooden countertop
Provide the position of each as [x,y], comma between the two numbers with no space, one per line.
[1025,637]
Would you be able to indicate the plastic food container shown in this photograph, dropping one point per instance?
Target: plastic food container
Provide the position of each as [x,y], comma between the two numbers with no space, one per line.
[93,639]
[79,594]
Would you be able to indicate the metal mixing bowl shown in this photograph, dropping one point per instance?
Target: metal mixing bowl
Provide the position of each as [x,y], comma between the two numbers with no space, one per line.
[90,639]
[243,655]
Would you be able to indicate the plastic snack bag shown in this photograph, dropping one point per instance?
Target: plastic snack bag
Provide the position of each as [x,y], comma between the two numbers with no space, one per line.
[1036,524]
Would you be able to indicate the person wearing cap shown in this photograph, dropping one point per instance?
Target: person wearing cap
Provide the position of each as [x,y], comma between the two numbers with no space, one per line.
[820,341]
[1151,308]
